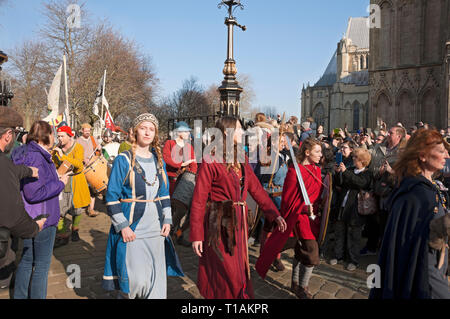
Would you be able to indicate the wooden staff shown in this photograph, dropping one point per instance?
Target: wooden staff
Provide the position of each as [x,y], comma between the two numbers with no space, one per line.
[276,159]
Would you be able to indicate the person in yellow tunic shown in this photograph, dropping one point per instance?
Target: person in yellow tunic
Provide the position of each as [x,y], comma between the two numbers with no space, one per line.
[75,197]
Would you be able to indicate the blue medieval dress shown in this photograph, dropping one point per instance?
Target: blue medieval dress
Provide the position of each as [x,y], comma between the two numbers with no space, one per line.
[139,268]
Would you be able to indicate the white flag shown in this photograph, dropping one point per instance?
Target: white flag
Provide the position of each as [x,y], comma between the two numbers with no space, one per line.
[98,96]
[53,97]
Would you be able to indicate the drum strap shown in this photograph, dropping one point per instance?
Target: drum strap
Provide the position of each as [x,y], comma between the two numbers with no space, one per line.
[75,174]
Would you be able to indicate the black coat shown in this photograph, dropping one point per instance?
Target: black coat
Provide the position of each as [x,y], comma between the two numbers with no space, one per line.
[349,181]
[403,256]
[12,210]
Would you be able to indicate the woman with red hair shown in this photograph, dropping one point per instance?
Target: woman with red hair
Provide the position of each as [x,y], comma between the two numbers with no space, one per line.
[414,253]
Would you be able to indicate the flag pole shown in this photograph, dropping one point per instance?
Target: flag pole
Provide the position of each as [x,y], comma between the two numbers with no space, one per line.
[66,111]
[103,96]
[55,133]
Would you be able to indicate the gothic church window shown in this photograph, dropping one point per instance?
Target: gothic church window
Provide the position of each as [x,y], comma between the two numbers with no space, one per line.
[319,114]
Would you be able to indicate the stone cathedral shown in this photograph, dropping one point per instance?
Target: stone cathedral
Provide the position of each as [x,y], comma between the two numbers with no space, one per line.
[405,78]
[341,96]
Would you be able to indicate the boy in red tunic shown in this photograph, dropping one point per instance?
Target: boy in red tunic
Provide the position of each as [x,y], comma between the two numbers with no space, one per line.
[298,220]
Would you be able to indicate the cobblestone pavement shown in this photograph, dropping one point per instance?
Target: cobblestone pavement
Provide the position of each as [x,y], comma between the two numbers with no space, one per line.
[327,282]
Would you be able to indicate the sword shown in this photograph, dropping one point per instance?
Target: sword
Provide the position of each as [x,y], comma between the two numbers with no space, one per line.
[299,177]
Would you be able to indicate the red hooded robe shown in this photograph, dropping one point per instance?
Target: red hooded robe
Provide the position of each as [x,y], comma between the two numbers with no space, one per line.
[228,279]
[295,212]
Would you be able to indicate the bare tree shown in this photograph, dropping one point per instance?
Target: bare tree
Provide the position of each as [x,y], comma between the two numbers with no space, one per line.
[248,95]
[90,49]
[61,38]
[190,100]
[212,95]
[130,81]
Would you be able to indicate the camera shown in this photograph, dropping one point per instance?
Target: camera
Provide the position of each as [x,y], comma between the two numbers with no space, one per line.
[20,133]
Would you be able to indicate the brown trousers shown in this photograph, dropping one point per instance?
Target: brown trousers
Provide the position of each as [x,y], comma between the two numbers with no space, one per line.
[307,252]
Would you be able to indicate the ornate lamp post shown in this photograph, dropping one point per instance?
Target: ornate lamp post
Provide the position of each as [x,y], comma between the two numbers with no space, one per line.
[447,74]
[5,91]
[230,90]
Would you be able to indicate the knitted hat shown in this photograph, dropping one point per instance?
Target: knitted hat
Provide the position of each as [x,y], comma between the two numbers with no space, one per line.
[10,118]
[182,127]
[146,117]
[67,130]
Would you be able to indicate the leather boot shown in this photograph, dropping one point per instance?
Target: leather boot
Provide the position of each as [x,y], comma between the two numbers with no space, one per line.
[294,287]
[303,293]
[300,292]
[278,264]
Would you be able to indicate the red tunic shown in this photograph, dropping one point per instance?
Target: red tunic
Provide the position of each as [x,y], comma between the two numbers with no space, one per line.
[174,156]
[228,279]
[295,212]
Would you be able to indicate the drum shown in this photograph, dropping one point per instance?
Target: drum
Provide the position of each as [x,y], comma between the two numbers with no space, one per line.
[184,189]
[97,174]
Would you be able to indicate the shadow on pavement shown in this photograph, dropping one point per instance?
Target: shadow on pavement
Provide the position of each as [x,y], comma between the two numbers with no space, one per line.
[90,257]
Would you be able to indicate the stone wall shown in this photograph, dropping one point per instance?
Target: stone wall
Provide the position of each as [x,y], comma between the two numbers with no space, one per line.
[407,68]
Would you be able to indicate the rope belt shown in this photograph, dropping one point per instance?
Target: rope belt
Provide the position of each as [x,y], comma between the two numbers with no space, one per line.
[240,203]
[135,200]
[209,203]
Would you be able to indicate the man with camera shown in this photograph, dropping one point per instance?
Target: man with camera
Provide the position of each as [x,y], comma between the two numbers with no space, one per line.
[14,220]
[384,156]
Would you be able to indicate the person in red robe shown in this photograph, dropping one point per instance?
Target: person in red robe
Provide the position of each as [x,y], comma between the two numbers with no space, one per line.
[179,154]
[179,157]
[299,219]
[219,225]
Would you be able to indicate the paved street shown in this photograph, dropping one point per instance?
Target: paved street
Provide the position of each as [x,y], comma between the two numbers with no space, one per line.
[328,282]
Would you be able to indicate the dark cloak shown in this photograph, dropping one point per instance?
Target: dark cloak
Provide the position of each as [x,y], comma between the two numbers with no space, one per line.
[403,256]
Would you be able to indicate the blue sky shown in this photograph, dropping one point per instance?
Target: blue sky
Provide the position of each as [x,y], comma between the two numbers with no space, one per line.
[287,42]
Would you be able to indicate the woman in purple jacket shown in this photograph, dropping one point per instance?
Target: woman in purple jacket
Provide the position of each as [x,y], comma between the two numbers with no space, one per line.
[40,196]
